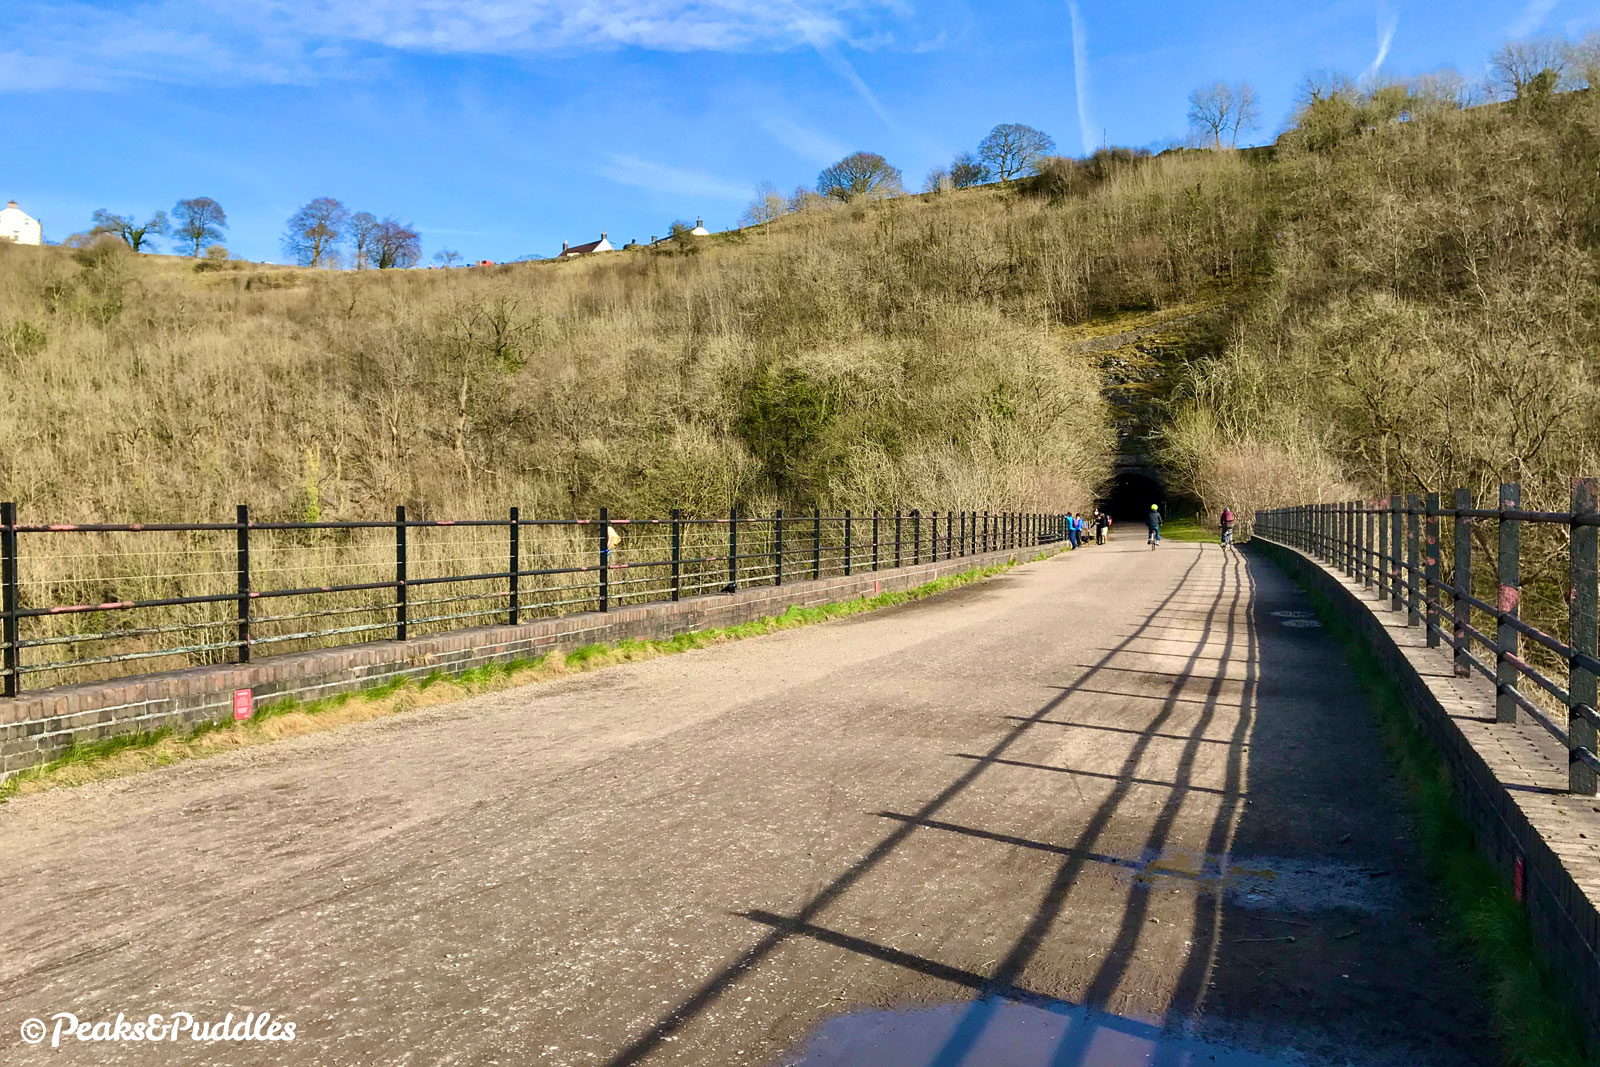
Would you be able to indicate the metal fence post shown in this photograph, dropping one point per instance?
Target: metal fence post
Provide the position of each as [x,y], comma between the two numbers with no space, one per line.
[733,549]
[916,536]
[400,627]
[897,539]
[515,612]
[1336,535]
[242,565]
[605,559]
[963,541]
[1349,540]
[1581,684]
[1430,587]
[1369,572]
[816,543]
[1383,551]
[777,547]
[1358,546]
[874,538]
[1396,539]
[1509,593]
[847,542]
[677,553]
[1413,558]
[933,538]
[1462,564]
[10,583]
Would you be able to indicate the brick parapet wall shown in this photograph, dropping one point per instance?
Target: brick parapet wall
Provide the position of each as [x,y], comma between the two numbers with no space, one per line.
[1510,781]
[36,727]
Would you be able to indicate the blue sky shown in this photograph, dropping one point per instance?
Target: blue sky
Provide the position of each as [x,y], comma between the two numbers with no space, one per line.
[503,127]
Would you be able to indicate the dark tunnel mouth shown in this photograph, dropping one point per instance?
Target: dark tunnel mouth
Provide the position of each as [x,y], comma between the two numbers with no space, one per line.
[1131,495]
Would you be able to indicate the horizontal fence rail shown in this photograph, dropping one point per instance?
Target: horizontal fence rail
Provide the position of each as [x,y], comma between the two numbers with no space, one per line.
[91,601]
[1394,546]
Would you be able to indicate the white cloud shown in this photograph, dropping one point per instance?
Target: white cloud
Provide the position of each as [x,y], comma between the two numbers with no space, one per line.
[1532,17]
[664,178]
[806,143]
[204,41]
[1080,76]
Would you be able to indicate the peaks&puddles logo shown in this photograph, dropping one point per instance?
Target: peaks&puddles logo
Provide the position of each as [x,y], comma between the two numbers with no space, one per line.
[157,1027]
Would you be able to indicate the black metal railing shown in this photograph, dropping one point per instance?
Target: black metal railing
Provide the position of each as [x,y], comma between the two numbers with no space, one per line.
[90,601]
[1394,547]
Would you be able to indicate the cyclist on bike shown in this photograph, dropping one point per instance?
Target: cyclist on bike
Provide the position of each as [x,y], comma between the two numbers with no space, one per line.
[1152,522]
[1227,527]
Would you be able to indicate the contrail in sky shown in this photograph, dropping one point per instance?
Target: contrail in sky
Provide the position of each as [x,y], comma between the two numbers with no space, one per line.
[1080,77]
[809,27]
[1388,22]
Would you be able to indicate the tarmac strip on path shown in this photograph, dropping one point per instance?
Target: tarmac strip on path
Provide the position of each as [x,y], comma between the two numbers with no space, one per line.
[1121,798]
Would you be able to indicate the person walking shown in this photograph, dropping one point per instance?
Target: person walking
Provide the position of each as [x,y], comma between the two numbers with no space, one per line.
[1152,522]
[1101,521]
[1227,527]
[1072,528]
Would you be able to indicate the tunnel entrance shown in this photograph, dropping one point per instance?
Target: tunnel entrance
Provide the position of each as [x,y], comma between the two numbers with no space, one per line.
[1131,496]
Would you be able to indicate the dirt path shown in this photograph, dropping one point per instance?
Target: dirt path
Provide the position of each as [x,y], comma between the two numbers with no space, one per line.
[1119,779]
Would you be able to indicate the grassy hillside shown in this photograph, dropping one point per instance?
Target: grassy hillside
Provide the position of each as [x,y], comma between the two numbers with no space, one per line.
[1431,318]
[913,351]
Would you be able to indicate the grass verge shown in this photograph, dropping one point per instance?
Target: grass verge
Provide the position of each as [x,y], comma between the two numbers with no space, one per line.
[1536,1019]
[131,753]
[1189,528]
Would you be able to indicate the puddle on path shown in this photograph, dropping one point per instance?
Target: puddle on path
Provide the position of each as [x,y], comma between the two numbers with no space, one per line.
[998,1032]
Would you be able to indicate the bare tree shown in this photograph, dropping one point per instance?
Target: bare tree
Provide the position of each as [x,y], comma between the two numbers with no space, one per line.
[938,181]
[123,226]
[966,171]
[1520,67]
[200,220]
[1583,63]
[363,224]
[1221,110]
[315,232]
[1441,91]
[395,244]
[447,257]
[859,174]
[1012,149]
[804,199]
[767,205]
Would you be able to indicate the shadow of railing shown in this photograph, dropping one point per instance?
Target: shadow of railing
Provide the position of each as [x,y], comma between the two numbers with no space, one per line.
[1003,980]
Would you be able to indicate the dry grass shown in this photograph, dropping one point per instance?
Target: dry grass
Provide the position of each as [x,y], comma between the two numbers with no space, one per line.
[903,351]
[1432,321]
[919,352]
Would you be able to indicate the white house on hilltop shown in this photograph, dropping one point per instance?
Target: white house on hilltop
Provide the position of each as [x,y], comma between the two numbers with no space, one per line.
[18,227]
[602,245]
[700,229]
